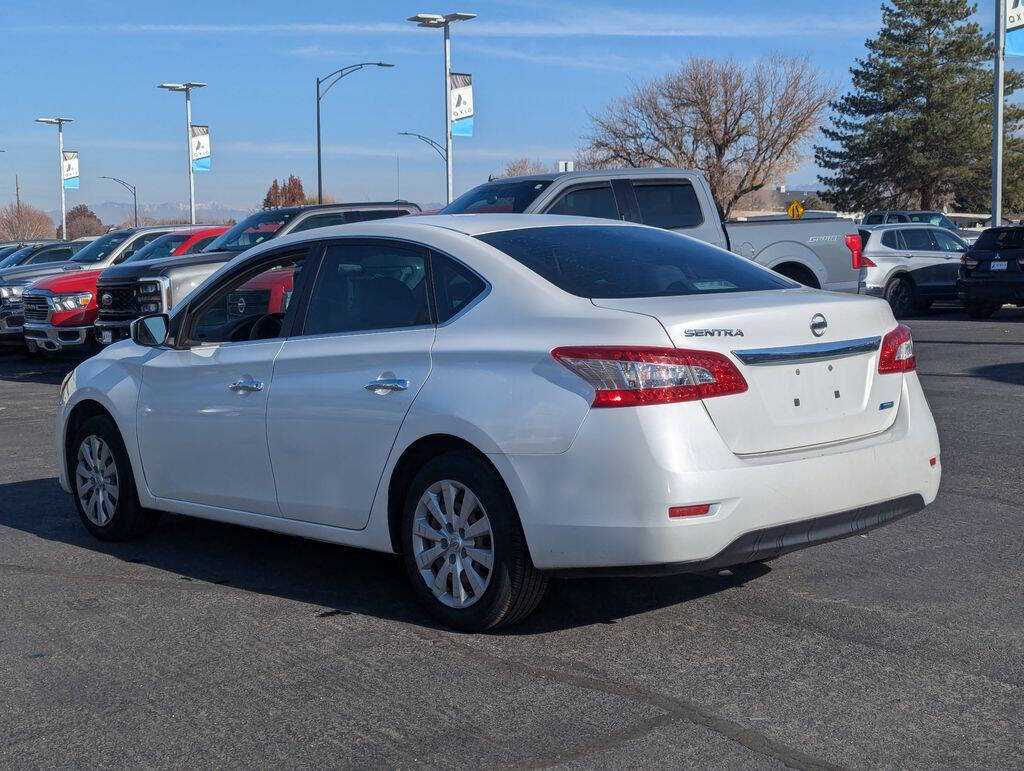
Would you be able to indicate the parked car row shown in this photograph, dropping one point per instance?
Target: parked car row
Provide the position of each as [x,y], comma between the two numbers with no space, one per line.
[78,296]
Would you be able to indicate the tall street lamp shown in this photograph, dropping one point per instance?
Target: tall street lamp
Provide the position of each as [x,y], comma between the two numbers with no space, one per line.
[59,123]
[436,21]
[130,189]
[187,88]
[336,75]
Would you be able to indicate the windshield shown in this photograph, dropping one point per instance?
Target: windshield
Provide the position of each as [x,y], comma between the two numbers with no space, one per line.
[102,247]
[1001,238]
[15,257]
[503,197]
[613,261]
[160,247]
[251,231]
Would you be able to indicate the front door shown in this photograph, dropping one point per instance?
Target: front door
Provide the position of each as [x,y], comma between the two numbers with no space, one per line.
[344,383]
[203,406]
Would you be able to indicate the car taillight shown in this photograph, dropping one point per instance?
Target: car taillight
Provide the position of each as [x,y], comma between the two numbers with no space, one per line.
[897,351]
[968,262]
[857,258]
[636,376]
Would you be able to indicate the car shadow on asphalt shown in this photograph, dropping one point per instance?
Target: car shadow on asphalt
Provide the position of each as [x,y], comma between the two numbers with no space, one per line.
[336,580]
[21,368]
[1001,373]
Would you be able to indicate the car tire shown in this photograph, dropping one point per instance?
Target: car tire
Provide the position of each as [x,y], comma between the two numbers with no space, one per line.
[980,310]
[472,570]
[111,510]
[901,296]
[923,306]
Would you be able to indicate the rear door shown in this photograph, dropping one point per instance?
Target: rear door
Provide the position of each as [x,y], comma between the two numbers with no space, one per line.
[674,204]
[344,382]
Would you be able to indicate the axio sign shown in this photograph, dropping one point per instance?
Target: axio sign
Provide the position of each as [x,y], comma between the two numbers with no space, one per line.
[1015,28]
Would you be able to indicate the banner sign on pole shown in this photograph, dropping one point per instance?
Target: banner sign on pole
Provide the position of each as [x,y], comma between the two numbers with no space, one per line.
[462,104]
[200,144]
[69,169]
[1015,27]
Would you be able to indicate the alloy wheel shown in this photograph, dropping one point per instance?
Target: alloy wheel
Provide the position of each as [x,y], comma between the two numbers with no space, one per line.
[96,480]
[453,543]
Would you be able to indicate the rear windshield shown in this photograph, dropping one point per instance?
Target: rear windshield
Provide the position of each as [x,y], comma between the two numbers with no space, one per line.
[102,247]
[251,231]
[1009,238]
[510,197]
[613,261]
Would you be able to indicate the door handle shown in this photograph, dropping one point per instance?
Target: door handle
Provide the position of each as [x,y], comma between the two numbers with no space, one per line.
[245,386]
[386,385]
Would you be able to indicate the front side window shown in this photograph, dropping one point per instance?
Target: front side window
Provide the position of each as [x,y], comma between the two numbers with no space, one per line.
[200,245]
[513,196]
[251,306]
[669,206]
[948,242]
[363,287]
[617,261]
[587,202]
[252,230]
[59,254]
[158,248]
[102,247]
[134,247]
[874,219]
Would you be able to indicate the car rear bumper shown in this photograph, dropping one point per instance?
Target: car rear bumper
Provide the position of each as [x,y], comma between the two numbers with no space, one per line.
[53,338]
[604,503]
[1000,291]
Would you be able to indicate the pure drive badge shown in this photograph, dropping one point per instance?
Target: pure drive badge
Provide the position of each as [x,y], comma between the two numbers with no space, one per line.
[713,332]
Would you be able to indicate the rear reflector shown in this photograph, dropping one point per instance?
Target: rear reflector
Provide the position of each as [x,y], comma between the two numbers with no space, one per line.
[637,376]
[857,258]
[689,511]
[932,462]
[897,353]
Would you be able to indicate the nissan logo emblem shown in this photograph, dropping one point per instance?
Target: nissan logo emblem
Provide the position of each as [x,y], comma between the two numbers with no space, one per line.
[240,306]
[818,325]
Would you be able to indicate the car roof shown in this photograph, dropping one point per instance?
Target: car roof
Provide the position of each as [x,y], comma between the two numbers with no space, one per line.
[625,171]
[337,206]
[899,226]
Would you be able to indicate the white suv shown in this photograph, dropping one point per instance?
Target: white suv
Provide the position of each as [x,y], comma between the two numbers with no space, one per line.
[504,397]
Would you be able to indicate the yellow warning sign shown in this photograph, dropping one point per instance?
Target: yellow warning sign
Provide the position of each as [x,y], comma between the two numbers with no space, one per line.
[795,210]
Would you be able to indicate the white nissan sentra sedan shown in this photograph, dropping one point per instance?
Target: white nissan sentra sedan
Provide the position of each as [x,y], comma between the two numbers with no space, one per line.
[501,398]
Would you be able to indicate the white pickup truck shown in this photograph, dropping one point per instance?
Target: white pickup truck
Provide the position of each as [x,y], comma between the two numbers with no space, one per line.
[820,250]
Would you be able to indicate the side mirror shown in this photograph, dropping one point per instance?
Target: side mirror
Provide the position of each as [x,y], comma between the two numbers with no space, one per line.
[150,331]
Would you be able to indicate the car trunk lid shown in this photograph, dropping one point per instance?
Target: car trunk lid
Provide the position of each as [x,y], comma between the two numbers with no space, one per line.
[804,388]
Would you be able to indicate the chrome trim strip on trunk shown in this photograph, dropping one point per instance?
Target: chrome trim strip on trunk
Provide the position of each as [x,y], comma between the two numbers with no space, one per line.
[795,354]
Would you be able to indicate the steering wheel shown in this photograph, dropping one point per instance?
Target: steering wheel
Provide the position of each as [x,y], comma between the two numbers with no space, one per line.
[241,329]
[267,326]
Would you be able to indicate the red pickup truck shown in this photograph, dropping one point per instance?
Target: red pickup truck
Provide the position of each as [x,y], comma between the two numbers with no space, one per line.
[60,310]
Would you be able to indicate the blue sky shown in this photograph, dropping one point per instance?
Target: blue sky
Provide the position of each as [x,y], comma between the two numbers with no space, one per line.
[538,68]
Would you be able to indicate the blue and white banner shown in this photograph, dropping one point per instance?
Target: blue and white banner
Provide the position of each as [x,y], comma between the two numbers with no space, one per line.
[69,169]
[1015,27]
[462,104]
[200,144]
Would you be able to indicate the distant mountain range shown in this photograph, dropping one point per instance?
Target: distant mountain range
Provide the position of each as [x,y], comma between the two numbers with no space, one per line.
[114,213]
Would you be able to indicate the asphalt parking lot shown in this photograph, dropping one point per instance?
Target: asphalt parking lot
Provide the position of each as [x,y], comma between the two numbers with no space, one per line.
[212,645]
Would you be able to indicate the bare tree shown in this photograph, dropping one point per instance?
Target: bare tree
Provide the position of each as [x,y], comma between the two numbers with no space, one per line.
[20,221]
[743,127]
[522,166]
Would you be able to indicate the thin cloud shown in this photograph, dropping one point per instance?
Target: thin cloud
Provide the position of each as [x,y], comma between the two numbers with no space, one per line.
[582,61]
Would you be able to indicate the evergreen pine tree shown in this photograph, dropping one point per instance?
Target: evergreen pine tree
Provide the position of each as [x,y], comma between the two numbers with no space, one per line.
[916,128]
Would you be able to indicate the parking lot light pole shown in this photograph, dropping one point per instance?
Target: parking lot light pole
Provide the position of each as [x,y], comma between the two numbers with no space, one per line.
[337,75]
[130,189]
[59,123]
[997,114]
[187,88]
[437,21]
[429,141]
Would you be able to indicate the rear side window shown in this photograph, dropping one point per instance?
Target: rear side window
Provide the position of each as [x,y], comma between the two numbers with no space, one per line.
[364,287]
[890,238]
[919,239]
[320,221]
[669,206]
[587,202]
[615,261]
[364,215]
[455,286]
[864,236]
